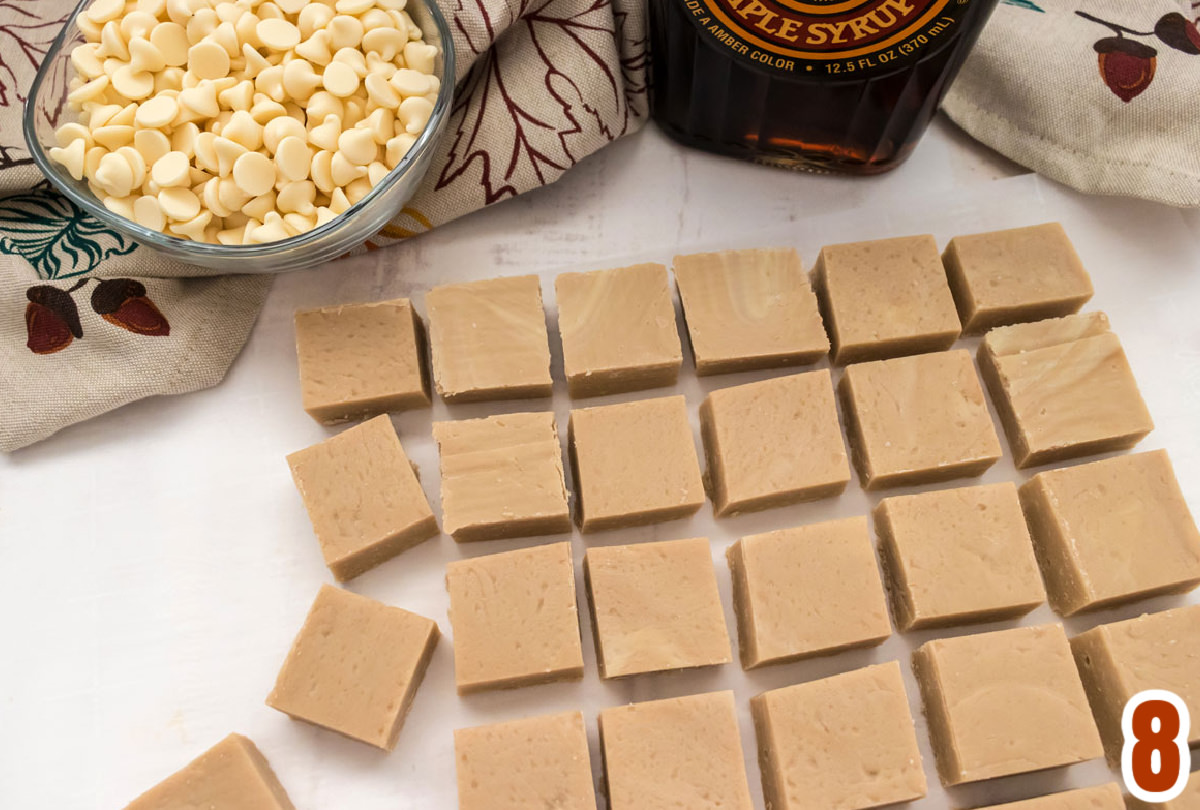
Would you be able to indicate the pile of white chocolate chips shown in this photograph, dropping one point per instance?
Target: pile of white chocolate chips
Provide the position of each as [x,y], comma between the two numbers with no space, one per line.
[243,121]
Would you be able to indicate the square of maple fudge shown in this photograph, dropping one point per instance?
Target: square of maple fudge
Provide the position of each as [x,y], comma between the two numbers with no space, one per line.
[355,666]
[678,752]
[502,476]
[655,606]
[773,443]
[634,463]
[489,340]
[811,590]
[1153,651]
[618,330]
[1100,797]
[847,741]
[232,775]
[917,420]
[885,298]
[956,556]
[1063,389]
[1004,703]
[514,619]
[1021,274]
[363,497]
[361,360]
[536,762]
[749,309]
[1111,532]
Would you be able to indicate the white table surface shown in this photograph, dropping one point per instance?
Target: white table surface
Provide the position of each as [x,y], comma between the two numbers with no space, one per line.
[155,563]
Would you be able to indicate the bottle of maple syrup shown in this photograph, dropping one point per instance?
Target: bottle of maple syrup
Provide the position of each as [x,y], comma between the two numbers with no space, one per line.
[847,85]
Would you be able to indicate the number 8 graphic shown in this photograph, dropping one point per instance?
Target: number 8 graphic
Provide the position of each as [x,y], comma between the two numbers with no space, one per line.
[1155,759]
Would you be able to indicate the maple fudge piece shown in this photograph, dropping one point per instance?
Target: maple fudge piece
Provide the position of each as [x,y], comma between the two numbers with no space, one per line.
[811,590]
[502,477]
[915,420]
[355,667]
[618,330]
[956,556]
[885,298]
[655,607]
[1100,797]
[489,340]
[232,775]
[678,752]
[1153,651]
[1189,799]
[1063,389]
[634,463]
[749,309]
[361,360]
[522,764]
[1020,274]
[846,742]
[363,497]
[514,619]
[773,443]
[1112,531]
[1003,703]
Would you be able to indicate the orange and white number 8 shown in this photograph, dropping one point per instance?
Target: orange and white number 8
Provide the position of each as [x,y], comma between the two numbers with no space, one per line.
[1155,759]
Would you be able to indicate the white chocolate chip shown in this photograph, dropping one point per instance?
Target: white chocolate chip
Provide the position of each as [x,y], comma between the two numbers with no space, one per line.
[344,32]
[171,170]
[208,60]
[254,173]
[339,79]
[148,213]
[70,157]
[293,158]
[282,127]
[358,146]
[179,203]
[278,34]
[152,144]
[414,113]
[156,112]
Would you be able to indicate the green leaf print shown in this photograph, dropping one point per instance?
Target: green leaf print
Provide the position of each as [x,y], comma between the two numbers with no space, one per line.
[58,238]
[1027,4]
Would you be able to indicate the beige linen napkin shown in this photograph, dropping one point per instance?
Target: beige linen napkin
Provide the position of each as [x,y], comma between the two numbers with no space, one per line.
[90,321]
[1098,94]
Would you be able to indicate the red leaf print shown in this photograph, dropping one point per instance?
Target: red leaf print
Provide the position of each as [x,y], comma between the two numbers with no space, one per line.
[520,122]
[1127,67]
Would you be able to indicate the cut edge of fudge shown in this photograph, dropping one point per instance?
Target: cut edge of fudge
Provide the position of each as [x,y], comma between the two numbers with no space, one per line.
[365,407]
[1048,336]
[385,742]
[1068,588]
[1098,797]
[625,376]
[758,360]
[358,561]
[589,523]
[573,672]
[505,528]
[899,596]
[977,321]
[872,480]
[715,482]
[749,654]
[1101,674]
[842,354]
[540,389]
[601,663]
[237,745]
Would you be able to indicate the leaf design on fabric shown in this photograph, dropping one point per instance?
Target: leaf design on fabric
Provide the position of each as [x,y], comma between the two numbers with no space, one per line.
[25,38]
[58,238]
[51,319]
[1178,32]
[123,302]
[1026,4]
[529,103]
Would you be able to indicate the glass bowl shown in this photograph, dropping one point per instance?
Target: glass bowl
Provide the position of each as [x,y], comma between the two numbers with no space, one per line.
[46,110]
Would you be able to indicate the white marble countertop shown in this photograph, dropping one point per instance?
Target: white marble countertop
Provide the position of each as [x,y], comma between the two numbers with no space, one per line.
[155,563]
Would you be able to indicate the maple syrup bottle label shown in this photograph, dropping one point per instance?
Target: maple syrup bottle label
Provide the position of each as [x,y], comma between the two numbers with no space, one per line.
[835,37]
[837,84]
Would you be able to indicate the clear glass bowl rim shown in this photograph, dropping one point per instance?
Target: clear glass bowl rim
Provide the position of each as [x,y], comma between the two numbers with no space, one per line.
[235,253]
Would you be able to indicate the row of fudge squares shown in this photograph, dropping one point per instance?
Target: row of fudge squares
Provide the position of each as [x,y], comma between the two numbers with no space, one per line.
[846,741]
[743,309]
[1105,532]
